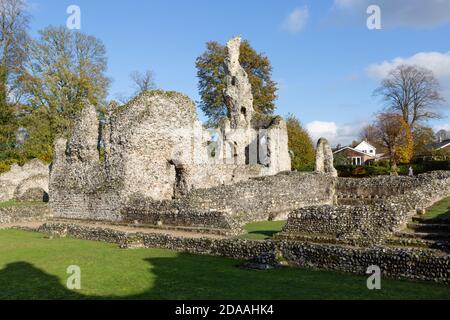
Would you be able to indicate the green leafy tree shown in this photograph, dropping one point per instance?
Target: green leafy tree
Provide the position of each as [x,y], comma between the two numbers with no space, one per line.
[13,42]
[423,137]
[300,145]
[212,83]
[341,160]
[64,69]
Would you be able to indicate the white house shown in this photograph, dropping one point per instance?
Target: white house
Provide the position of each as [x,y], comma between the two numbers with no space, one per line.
[362,154]
[366,148]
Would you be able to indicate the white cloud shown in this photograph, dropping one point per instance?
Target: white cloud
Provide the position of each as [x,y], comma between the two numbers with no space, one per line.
[437,62]
[319,129]
[398,13]
[335,133]
[296,20]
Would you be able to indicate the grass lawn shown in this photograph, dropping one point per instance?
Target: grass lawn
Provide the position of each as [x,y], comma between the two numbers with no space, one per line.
[262,230]
[440,210]
[13,203]
[33,267]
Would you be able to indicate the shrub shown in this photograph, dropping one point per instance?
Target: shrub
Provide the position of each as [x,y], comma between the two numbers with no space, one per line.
[359,172]
[4,166]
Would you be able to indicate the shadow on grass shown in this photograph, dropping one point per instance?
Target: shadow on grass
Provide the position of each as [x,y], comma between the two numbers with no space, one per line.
[23,281]
[264,233]
[188,277]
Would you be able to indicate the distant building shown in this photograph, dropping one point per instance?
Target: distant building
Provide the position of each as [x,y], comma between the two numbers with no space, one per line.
[363,154]
[442,145]
[437,151]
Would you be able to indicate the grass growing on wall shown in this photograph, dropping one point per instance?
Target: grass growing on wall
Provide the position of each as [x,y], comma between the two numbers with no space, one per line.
[33,267]
[440,210]
[14,203]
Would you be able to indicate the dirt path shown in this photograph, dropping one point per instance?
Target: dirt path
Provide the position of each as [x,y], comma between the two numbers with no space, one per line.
[130,229]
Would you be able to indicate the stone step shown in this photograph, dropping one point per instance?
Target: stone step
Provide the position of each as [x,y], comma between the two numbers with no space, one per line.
[200,230]
[445,236]
[429,227]
[420,219]
[441,245]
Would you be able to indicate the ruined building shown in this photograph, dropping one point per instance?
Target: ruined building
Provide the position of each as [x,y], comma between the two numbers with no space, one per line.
[155,149]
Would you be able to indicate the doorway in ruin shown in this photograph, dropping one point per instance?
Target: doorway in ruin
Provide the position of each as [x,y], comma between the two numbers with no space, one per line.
[180,187]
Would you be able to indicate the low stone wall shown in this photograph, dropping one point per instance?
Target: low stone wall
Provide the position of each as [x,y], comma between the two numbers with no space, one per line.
[231,206]
[371,223]
[401,263]
[383,187]
[24,214]
[93,205]
[16,183]
[174,213]
[417,264]
[356,225]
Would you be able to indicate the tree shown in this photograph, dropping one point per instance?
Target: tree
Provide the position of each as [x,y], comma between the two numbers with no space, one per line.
[300,145]
[369,134]
[64,69]
[211,74]
[412,92]
[423,137]
[442,135]
[142,81]
[13,42]
[394,134]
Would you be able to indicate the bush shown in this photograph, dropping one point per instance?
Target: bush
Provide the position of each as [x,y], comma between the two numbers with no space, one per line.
[362,171]
[5,165]
[380,168]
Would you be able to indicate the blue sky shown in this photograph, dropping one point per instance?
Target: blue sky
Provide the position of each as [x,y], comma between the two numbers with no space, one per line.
[326,61]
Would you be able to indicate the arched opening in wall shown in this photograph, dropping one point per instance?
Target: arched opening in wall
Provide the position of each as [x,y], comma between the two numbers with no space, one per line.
[233,81]
[45,197]
[263,149]
[235,153]
[180,187]
[230,152]
[247,155]
[212,146]
[244,111]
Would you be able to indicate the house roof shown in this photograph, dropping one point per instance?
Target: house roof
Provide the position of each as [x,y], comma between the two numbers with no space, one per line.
[366,142]
[354,150]
[439,145]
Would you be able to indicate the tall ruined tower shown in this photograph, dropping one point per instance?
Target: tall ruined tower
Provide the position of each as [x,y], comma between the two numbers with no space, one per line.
[238,93]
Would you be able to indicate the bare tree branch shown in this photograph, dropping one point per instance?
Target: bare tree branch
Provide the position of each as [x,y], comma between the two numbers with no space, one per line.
[411,91]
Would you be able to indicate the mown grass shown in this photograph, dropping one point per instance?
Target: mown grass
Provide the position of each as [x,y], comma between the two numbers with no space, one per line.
[33,267]
[262,230]
[440,210]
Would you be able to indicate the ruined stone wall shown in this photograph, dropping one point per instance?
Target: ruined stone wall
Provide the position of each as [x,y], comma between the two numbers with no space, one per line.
[231,206]
[402,263]
[156,149]
[392,202]
[18,214]
[27,183]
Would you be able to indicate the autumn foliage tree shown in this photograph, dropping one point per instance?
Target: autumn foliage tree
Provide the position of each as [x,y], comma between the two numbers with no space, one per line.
[211,73]
[300,145]
[395,135]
